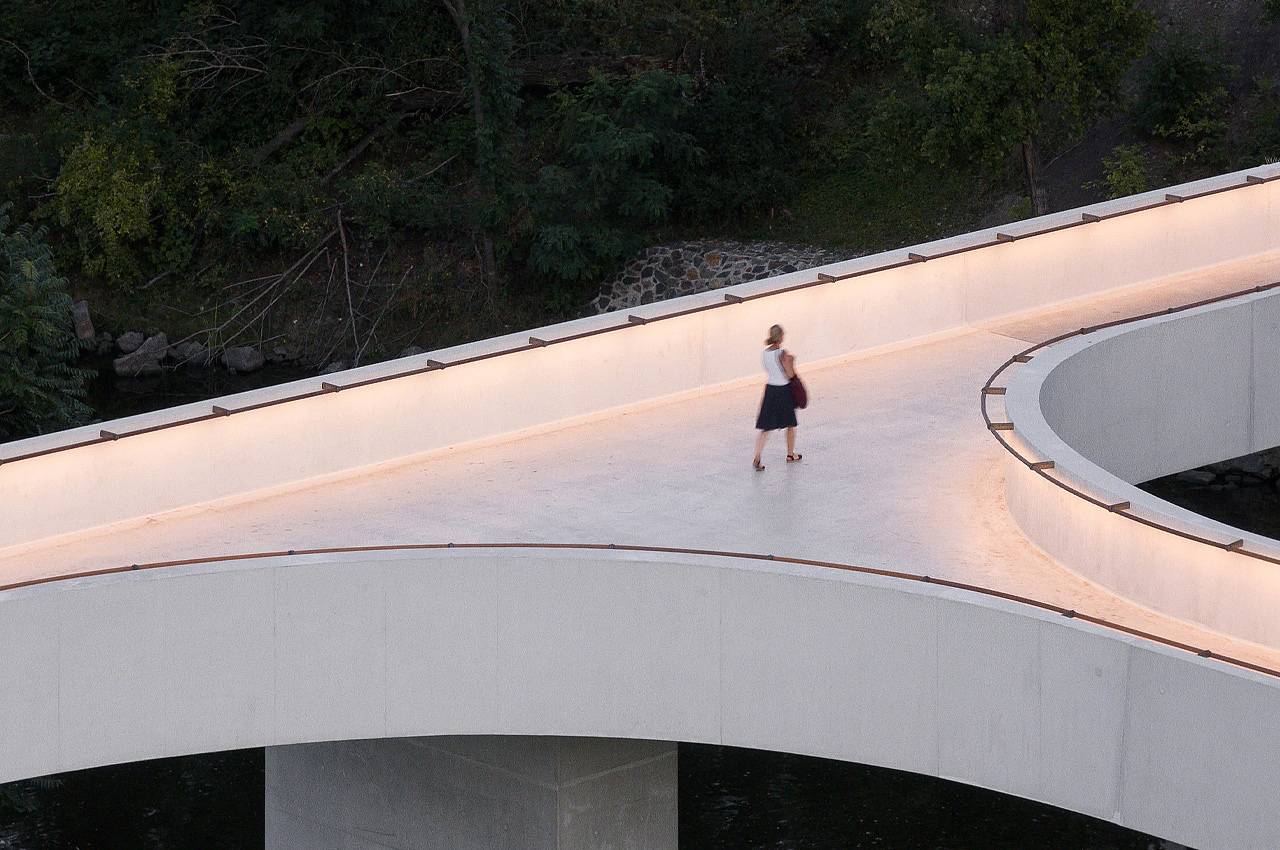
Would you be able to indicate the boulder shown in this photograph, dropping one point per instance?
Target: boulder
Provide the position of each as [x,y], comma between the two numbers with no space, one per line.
[1196,476]
[155,346]
[129,342]
[243,358]
[84,325]
[335,366]
[191,352]
[131,366]
[1250,463]
[412,351]
[144,359]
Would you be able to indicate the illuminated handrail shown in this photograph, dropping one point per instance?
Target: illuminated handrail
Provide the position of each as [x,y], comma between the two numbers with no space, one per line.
[632,321]
[1069,613]
[1042,467]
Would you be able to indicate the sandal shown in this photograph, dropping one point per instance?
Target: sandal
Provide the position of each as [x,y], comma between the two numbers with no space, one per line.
[794,458]
[757,465]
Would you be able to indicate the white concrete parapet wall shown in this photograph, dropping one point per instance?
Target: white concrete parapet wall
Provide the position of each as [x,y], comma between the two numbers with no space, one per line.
[1123,405]
[328,434]
[650,646]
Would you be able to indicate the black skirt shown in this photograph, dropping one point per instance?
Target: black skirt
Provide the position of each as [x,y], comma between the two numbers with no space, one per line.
[777,408]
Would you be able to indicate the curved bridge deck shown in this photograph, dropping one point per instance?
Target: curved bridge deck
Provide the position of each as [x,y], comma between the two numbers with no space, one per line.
[899,473]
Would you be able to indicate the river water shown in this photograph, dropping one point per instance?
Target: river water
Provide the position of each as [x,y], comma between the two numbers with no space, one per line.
[730,799]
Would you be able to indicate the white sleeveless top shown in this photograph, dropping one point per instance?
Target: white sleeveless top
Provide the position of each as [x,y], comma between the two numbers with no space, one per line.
[773,367]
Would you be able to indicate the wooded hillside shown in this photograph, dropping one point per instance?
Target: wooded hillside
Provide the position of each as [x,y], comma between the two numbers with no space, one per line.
[354,175]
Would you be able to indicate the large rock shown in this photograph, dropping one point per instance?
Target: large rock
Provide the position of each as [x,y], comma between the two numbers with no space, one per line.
[190,352]
[243,358]
[84,325]
[129,342]
[144,359]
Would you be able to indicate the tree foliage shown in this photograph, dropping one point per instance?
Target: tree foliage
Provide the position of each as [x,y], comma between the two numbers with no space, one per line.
[1182,94]
[1262,140]
[980,81]
[623,153]
[40,390]
[531,142]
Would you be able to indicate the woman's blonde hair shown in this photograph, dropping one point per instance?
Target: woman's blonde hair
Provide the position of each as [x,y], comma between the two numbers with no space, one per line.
[775,335]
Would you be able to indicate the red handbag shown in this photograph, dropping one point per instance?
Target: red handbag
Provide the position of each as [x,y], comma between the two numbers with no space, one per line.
[798,393]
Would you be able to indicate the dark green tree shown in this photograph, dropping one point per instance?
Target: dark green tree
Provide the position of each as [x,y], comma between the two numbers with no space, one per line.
[1182,94]
[40,390]
[986,80]
[621,154]
[484,32]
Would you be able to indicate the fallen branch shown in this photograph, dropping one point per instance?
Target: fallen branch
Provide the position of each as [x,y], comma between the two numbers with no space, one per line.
[386,305]
[276,286]
[346,274]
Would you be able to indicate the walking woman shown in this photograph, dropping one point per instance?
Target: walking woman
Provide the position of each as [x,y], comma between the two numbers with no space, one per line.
[778,408]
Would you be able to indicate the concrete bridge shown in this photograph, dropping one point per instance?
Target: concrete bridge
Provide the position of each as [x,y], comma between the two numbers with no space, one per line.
[275,568]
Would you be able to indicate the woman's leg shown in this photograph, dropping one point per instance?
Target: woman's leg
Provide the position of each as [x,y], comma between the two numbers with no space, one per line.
[791,441]
[761,439]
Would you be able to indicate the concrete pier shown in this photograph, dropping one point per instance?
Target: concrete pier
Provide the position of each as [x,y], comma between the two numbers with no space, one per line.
[481,792]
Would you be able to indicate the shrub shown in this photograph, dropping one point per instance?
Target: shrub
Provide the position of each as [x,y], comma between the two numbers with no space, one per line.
[1125,171]
[105,195]
[1262,132]
[39,389]
[1182,96]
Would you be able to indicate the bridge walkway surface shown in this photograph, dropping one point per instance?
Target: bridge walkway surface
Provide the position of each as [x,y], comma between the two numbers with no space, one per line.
[899,473]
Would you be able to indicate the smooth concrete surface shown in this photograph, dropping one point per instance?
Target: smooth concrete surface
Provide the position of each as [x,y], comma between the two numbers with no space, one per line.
[334,432]
[1135,402]
[656,647]
[473,793]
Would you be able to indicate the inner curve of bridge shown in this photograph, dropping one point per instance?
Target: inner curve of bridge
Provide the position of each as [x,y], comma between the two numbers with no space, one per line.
[899,473]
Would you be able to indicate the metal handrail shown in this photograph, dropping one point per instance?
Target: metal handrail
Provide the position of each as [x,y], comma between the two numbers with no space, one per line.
[632,321]
[1042,466]
[1069,613]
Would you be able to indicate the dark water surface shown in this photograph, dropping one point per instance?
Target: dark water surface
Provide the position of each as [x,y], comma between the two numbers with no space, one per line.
[113,397]
[212,801]
[730,799]
[734,799]
[1243,492]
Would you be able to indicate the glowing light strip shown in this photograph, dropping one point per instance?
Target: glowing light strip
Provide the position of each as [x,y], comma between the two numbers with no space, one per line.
[821,278]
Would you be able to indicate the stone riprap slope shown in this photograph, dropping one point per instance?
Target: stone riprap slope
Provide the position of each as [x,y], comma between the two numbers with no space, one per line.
[669,271]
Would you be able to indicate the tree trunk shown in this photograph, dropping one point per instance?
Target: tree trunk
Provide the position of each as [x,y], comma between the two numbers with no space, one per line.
[457,10]
[1031,158]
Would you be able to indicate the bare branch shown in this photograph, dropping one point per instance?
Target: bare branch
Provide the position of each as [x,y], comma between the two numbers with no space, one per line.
[32,77]
[386,305]
[346,274]
[282,138]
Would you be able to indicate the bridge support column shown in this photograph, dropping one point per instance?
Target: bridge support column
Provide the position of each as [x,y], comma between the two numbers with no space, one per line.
[496,793]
